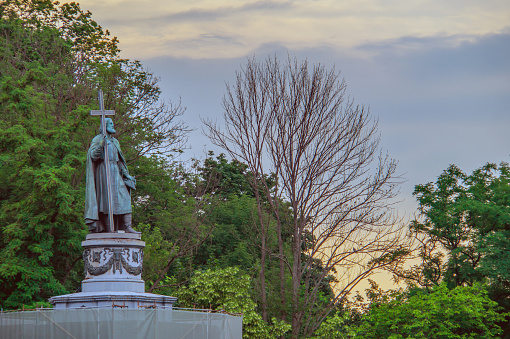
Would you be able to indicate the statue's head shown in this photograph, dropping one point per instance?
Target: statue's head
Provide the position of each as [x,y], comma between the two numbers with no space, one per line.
[109,126]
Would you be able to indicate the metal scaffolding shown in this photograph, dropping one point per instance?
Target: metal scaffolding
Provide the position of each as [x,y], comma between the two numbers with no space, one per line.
[118,323]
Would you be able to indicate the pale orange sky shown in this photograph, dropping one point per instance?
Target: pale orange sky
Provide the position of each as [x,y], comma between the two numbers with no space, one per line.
[228,28]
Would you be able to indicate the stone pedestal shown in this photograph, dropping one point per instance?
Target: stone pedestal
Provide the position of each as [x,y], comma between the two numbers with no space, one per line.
[113,275]
[113,262]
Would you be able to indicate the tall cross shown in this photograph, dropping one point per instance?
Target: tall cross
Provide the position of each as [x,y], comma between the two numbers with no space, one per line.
[103,113]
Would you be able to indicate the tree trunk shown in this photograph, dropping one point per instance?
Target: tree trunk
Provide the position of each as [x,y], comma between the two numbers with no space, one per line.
[263,249]
[283,313]
[296,278]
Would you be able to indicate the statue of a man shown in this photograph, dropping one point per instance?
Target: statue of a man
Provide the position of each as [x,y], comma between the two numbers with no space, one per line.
[121,183]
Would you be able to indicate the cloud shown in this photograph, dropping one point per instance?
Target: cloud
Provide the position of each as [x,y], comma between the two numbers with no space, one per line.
[201,14]
[439,102]
[436,72]
[478,64]
[205,41]
[157,27]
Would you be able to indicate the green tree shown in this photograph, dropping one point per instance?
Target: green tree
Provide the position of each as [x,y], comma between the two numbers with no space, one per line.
[173,216]
[463,312]
[464,229]
[52,59]
[226,289]
[468,218]
[39,218]
[334,327]
[237,238]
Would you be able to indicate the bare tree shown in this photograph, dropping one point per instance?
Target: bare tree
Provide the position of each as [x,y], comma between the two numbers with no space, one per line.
[294,121]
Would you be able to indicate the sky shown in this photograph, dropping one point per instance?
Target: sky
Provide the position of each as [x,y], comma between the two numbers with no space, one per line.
[435,73]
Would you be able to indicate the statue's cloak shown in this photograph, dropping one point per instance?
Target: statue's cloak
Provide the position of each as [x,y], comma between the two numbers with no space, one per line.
[93,198]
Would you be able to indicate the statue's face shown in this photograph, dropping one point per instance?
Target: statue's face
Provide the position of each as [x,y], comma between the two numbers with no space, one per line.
[109,126]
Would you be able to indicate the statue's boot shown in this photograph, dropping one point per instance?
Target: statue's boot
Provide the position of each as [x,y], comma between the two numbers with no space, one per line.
[129,229]
[126,221]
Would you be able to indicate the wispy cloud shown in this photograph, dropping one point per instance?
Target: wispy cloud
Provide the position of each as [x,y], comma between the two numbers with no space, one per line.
[210,14]
[205,41]
[447,54]
[175,28]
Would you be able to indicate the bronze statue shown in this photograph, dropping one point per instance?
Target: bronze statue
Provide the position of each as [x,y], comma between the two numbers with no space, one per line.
[108,187]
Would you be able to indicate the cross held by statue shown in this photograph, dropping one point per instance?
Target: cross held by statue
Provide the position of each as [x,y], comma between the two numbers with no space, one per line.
[102,112]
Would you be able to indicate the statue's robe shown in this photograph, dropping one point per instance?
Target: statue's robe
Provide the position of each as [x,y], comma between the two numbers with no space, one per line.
[96,194]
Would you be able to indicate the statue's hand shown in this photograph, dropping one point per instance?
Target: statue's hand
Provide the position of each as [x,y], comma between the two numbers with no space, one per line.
[130,181]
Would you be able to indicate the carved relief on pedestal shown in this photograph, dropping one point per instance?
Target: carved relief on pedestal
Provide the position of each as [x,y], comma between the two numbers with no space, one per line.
[117,259]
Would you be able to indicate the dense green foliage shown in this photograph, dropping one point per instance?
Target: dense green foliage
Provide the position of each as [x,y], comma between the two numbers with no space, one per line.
[439,312]
[464,229]
[40,195]
[467,217]
[335,327]
[463,312]
[52,60]
[228,290]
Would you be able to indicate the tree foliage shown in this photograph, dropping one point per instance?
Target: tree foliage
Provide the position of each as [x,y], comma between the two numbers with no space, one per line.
[228,290]
[52,60]
[39,160]
[463,312]
[464,227]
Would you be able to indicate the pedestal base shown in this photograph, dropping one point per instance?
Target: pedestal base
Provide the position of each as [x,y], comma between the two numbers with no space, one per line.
[113,275]
[99,285]
[112,299]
